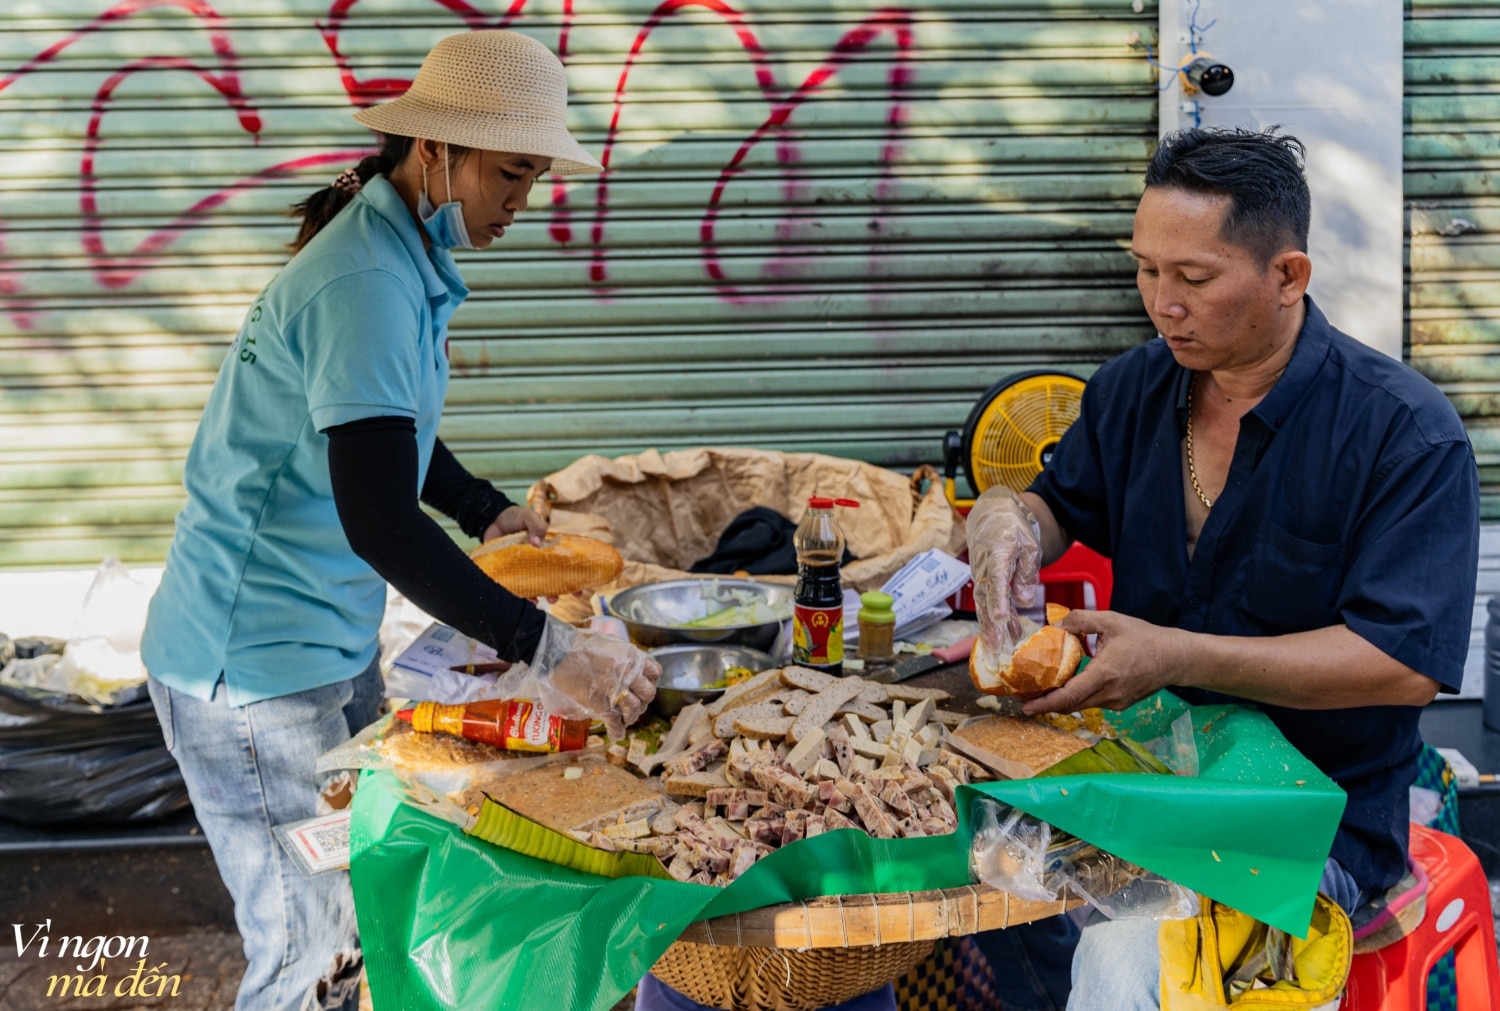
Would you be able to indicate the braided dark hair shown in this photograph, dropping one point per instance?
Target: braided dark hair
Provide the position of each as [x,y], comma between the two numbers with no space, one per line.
[320,207]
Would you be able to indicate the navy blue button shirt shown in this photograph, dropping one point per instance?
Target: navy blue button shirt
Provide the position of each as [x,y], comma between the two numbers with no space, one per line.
[1352,498]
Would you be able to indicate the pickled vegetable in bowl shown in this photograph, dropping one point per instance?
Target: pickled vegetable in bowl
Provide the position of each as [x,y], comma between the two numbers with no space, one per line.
[714,610]
[732,677]
[726,607]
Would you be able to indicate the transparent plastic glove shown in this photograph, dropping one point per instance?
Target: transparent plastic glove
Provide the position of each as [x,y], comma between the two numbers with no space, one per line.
[588,675]
[1005,552]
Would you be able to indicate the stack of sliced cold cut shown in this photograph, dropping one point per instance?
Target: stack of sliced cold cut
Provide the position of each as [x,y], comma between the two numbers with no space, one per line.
[791,754]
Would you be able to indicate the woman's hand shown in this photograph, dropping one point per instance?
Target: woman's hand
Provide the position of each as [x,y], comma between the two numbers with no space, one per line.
[516,520]
[583,674]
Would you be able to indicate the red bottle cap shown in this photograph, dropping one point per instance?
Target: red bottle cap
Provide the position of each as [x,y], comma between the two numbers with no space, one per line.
[817,502]
[404,714]
[848,503]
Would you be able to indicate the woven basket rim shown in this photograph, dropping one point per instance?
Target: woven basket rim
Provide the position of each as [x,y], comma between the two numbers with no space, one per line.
[852,921]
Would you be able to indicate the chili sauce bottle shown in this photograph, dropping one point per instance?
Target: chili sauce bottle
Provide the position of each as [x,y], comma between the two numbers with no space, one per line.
[818,618]
[512,724]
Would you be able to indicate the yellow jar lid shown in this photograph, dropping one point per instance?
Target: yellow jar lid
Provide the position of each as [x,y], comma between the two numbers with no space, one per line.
[878,608]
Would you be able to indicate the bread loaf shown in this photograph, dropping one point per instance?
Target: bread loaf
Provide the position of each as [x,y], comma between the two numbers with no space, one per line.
[564,564]
[1042,662]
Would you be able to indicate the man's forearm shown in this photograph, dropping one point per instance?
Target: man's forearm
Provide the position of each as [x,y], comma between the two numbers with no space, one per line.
[1055,539]
[1327,668]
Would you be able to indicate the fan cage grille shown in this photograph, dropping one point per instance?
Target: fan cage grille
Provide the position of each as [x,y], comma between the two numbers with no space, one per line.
[1020,424]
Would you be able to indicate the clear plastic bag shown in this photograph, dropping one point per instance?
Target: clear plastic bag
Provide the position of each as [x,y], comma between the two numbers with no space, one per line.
[102,657]
[1184,746]
[1025,857]
[1010,852]
[403,623]
[1426,805]
[1179,750]
[451,688]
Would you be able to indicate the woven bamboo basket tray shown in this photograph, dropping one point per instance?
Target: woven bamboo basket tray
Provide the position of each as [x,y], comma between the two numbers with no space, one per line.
[812,954]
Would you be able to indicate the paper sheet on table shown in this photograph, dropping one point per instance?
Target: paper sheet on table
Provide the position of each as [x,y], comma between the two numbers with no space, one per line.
[919,590]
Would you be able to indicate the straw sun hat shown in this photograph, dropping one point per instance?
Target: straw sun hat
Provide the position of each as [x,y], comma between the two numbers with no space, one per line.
[490,90]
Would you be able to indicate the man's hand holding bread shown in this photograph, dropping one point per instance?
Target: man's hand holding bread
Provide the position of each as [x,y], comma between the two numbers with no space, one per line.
[1012,655]
[1133,660]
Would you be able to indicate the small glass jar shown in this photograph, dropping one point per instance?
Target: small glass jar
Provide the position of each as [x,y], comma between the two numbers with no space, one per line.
[877,627]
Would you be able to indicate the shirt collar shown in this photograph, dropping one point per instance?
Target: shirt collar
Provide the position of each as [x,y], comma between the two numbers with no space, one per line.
[1302,369]
[382,196]
[448,275]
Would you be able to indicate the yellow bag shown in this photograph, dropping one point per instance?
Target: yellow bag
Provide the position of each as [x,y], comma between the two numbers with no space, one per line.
[1224,959]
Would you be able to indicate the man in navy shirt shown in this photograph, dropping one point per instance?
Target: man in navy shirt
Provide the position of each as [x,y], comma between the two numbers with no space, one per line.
[1293,518]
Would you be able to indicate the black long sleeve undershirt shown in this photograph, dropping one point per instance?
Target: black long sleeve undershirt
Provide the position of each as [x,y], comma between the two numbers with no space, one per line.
[373,467]
[471,502]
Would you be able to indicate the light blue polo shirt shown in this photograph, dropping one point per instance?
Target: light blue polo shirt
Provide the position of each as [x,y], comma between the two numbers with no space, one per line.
[261,583]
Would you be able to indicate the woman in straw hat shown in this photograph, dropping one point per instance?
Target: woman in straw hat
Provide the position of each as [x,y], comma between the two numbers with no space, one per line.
[304,480]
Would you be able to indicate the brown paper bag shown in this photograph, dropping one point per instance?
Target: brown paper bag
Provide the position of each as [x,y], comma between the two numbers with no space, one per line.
[665,511]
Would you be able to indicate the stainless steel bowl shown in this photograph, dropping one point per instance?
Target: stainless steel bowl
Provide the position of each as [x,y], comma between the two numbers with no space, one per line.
[681,600]
[685,669]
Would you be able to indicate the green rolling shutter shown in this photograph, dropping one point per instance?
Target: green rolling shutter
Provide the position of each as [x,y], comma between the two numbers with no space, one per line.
[828,226]
[1452,170]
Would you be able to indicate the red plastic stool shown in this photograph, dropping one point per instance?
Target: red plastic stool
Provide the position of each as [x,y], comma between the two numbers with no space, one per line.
[1066,577]
[1458,918]
[1064,580]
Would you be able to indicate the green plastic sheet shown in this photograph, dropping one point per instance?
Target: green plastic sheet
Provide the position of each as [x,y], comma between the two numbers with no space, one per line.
[451,922]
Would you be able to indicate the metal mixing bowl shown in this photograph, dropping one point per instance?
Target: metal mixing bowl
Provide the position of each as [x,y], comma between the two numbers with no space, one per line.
[681,600]
[685,669]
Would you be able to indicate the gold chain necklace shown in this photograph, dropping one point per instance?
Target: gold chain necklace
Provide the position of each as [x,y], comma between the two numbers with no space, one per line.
[1192,470]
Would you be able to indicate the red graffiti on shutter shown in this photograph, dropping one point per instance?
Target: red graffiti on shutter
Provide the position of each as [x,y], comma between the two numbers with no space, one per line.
[118,270]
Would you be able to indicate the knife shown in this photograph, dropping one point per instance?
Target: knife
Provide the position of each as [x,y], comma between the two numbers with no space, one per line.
[906,667]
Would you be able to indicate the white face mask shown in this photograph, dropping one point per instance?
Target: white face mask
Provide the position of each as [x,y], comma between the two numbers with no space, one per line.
[445,225]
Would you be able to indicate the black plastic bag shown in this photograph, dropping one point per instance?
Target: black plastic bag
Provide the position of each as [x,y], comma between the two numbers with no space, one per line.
[64,760]
[757,541]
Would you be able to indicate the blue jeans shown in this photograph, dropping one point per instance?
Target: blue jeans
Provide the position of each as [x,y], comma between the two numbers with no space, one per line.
[247,770]
[1117,966]
[654,995]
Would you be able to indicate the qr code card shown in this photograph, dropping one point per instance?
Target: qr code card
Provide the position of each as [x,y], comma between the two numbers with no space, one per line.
[317,845]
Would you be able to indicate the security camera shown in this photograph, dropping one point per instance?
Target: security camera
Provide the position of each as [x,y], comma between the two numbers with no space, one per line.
[1213,79]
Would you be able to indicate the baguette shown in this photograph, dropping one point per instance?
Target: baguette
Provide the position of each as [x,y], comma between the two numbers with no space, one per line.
[1042,662]
[564,564]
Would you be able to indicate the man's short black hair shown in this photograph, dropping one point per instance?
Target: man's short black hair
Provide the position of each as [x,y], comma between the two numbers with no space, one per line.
[1261,174]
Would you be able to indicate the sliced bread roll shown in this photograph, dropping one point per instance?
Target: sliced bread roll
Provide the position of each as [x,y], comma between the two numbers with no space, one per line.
[1043,661]
[564,564]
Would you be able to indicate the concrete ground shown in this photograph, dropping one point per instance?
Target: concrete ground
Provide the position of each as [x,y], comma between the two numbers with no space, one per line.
[209,963]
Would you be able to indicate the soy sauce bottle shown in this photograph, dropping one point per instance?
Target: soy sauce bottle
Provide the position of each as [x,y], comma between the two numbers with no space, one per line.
[818,619]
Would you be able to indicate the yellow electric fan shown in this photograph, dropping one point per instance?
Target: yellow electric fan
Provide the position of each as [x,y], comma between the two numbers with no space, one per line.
[1011,432]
